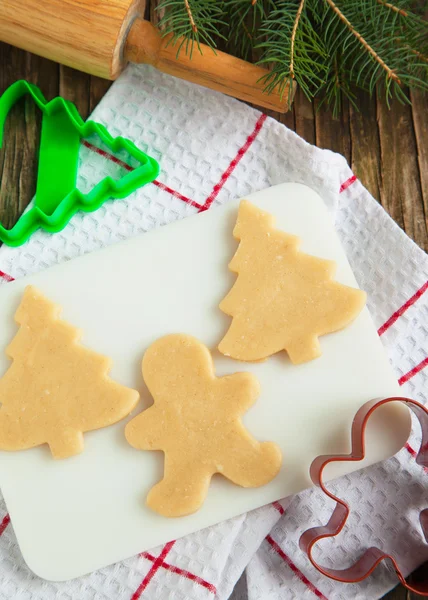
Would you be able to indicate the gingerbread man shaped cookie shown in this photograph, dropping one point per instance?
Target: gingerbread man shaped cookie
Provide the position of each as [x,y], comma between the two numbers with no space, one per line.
[195,420]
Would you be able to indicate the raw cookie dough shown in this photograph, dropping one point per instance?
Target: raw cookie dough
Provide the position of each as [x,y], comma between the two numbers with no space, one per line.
[196,421]
[55,388]
[283,299]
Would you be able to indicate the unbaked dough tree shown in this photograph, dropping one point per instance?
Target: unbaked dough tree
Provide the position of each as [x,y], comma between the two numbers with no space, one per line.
[283,299]
[55,388]
[195,420]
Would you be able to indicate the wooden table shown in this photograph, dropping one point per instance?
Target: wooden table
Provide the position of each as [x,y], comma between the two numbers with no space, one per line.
[387,149]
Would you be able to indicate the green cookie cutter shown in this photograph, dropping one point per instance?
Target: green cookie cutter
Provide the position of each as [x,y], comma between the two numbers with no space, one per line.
[57,198]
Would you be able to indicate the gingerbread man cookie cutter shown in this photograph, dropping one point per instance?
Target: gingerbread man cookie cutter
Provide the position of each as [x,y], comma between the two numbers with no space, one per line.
[373,556]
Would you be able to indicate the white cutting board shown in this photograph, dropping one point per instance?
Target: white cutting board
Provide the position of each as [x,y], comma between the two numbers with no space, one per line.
[76,515]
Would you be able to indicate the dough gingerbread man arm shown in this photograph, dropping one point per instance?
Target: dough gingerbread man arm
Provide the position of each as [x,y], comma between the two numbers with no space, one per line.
[246,461]
[143,431]
[196,421]
[238,391]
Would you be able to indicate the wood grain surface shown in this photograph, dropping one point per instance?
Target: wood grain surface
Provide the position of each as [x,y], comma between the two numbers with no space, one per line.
[83,34]
[387,149]
[101,37]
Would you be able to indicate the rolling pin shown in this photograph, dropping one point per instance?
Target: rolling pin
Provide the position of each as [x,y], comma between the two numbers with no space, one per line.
[101,36]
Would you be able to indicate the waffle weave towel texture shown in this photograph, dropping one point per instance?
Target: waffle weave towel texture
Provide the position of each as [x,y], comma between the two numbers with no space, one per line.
[213,149]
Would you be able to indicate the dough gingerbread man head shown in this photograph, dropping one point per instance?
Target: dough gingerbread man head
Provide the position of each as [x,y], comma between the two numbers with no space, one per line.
[195,420]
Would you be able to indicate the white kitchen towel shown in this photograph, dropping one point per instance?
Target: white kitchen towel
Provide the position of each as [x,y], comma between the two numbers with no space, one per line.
[211,149]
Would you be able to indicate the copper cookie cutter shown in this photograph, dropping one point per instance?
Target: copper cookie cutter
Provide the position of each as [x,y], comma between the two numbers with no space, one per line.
[373,556]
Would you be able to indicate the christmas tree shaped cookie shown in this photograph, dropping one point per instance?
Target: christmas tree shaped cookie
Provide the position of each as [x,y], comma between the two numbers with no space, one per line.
[283,299]
[196,421]
[55,388]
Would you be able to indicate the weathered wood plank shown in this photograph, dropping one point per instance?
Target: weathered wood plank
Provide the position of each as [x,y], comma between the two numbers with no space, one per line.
[84,90]
[19,154]
[365,144]
[286,119]
[333,132]
[304,117]
[98,89]
[400,191]
[420,124]
[75,86]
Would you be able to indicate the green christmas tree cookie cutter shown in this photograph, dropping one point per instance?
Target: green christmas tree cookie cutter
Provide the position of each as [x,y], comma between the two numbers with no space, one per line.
[57,198]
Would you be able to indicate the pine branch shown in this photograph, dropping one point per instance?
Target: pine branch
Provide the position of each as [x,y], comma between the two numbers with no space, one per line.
[244,18]
[392,7]
[329,47]
[292,48]
[392,36]
[194,21]
[293,36]
[419,55]
[390,73]
[191,19]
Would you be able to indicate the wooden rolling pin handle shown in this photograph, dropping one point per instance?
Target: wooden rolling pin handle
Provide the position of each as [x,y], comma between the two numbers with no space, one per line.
[218,71]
